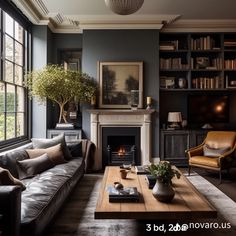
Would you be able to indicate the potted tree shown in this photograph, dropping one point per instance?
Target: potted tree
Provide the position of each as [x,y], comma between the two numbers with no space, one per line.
[163,172]
[60,86]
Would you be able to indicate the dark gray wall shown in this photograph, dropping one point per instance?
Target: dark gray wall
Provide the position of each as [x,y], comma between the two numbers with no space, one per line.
[39,60]
[124,45]
[65,41]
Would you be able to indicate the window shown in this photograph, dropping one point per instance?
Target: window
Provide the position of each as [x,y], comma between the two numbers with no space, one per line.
[13,95]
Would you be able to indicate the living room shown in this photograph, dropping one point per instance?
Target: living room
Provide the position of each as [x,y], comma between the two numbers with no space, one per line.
[179,58]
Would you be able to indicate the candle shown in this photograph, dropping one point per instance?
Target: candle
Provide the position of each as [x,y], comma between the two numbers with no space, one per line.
[149,100]
[93,100]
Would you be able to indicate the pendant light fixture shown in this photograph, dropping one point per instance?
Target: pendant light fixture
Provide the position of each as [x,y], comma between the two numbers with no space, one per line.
[124,7]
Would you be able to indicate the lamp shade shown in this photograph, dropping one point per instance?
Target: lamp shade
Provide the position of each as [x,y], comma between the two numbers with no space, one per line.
[124,7]
[174,117]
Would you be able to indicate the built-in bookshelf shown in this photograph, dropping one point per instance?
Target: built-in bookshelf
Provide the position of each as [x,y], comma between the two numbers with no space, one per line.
[199,60]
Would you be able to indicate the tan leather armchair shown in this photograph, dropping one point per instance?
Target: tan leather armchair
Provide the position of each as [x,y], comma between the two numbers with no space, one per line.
[215,153]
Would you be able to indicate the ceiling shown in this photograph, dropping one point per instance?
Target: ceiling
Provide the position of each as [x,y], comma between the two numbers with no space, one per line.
[170,15]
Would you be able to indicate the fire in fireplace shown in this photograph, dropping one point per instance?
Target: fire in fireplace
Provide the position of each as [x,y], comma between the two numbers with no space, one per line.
[123,154]
[121,145]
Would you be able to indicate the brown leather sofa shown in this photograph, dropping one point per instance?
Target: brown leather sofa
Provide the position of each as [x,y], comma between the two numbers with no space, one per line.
[215,153]
[29,212]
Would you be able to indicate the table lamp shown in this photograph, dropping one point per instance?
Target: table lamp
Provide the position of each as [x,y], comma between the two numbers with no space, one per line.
[174,120]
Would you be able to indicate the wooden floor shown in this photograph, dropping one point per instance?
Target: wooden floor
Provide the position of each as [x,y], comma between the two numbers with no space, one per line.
[76,217]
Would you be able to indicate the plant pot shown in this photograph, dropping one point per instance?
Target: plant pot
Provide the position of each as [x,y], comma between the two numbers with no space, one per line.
[163,192]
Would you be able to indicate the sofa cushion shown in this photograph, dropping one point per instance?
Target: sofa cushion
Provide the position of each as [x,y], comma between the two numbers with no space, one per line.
[45,193]
[7,179]
[54,153]
[46,143]
[8,161]
[214,152]
[75,149]
[205,161]
[31,167]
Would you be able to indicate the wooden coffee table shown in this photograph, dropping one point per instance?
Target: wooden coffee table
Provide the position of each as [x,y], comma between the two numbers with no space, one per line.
[188,203]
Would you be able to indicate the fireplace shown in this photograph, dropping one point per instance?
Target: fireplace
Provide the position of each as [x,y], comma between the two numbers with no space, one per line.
[109,118]
[121,145]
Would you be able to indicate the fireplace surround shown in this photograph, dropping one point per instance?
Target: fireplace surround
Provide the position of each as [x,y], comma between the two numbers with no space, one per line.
[102,118]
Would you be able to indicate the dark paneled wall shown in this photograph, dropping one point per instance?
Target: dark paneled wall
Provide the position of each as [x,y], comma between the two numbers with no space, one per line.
[124,45]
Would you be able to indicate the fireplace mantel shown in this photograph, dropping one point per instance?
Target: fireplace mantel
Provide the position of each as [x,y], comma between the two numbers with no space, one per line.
[121,112]
[121,118]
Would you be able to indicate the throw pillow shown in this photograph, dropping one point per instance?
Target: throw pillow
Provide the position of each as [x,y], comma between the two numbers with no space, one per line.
[8,161]
[7,179]
[75,149]
[214,152]
[46,143]
[31,167]
[54,153]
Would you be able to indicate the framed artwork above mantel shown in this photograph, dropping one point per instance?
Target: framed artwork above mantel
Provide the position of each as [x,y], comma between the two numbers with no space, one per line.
[117,80]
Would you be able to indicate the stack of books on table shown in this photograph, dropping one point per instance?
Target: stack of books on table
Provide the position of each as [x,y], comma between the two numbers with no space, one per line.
[65,126]
[141,170]
[127,194]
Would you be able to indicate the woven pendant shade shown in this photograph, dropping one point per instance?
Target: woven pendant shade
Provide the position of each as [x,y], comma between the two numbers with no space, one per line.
[124,7]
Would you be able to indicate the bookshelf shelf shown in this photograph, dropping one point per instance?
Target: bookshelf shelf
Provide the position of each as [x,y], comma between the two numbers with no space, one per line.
[197,55]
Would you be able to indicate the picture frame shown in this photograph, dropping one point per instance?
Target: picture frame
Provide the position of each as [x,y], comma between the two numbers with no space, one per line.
[116,80]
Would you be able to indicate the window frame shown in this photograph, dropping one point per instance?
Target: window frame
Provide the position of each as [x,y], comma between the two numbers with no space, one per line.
[26,66]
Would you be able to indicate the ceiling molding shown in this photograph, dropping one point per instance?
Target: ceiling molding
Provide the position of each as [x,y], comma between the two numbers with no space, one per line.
[201,26]
[38,14]
[29,10]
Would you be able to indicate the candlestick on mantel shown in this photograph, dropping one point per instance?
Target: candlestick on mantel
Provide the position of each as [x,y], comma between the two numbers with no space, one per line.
[149,102]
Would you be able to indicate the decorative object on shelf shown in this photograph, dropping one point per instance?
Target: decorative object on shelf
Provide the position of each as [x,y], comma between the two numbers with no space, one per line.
[182,83]
[184,124]
[149,103]
[164,173]
[116,80]
[134,99]
[174,120]
[124,7]
[60,86]
[167,82]
[93,101]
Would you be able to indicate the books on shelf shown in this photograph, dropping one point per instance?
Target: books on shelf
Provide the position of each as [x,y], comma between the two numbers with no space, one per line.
[206,63]
[65,126]
[208,83]
[172,63]
[230,64]
[169,45]
[203,43]
[230,43]
[126,194]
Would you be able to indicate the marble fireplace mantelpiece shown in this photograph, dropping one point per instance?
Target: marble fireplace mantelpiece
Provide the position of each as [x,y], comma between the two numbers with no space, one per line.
[141,118]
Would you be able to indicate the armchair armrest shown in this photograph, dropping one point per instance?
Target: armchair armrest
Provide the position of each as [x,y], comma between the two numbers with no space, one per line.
[226,154]
[10,209]
[195,151]
[88,152]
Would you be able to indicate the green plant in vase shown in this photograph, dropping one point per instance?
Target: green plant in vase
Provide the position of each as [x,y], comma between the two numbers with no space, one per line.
[163,172]
[60,86]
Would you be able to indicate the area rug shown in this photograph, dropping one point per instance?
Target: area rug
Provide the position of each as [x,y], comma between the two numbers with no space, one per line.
[76,217]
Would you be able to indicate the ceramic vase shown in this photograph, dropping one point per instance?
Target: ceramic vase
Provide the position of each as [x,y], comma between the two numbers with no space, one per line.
[163,192]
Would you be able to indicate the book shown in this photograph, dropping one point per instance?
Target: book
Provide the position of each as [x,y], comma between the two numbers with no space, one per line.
[151,181]
[126,194]
[141,170]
